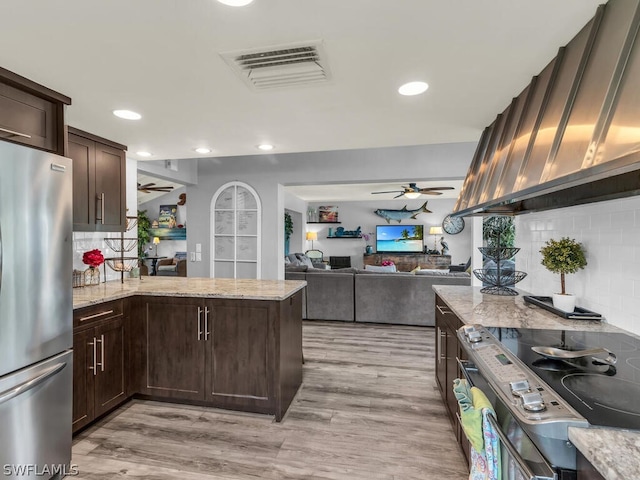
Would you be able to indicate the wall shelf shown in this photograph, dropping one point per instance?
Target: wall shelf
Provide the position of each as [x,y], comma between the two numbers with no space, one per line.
[345,237]
[324,223]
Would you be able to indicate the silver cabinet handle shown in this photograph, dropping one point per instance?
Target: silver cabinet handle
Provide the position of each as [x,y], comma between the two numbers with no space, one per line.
[14,133]
[101,352]
[101,314]
[206,323]
[95,359]
[443,312]
[441,334]
[199,323]
[29,384]
[102,208]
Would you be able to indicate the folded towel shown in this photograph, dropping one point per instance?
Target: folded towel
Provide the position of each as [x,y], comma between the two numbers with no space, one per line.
[475,409]
[470,417]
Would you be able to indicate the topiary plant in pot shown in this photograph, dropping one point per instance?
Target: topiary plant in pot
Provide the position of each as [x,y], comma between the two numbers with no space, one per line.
[563,256]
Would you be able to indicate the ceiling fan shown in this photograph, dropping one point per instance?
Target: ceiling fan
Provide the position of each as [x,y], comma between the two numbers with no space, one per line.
[413,191]
[149,187]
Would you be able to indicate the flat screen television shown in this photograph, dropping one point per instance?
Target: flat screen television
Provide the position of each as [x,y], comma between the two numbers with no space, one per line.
[399,238]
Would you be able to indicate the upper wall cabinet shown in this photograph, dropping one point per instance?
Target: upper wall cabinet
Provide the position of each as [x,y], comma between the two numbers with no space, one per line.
[31,114]
[99,176]
[571,137]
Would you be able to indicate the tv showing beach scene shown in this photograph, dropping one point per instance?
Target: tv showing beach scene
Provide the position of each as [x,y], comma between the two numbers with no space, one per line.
[399,238]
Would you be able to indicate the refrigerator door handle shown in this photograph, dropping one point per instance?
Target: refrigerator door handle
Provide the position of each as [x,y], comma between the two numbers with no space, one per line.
[0,257]
[31,383]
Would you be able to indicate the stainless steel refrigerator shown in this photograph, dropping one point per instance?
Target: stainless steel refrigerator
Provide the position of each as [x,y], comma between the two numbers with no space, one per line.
[36,308]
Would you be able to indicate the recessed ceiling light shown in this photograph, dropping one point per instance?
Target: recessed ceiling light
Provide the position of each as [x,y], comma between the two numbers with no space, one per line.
[413,88]
[266,147]
[236,3]
[203,150]
[127,114]
[143,154]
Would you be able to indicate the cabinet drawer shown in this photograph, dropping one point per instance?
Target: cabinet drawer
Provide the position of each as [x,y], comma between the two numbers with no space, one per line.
[90,315]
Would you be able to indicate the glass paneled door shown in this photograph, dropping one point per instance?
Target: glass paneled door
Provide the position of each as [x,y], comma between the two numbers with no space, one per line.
[235,238]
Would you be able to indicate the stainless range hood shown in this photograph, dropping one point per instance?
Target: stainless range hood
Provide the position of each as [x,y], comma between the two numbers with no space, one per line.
[573,135]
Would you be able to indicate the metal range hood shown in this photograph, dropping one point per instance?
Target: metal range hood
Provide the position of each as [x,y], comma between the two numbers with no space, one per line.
[572,136]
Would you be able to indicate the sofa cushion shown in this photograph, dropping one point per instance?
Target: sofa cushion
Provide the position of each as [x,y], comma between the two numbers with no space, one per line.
[295,268]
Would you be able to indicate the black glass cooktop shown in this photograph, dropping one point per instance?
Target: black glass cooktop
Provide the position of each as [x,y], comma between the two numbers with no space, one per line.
[607,395]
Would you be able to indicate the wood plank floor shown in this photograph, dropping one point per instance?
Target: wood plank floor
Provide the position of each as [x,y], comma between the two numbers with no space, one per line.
[368,409]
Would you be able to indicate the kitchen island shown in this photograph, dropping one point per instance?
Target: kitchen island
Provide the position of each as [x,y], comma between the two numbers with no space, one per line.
[225,343]
[613,452]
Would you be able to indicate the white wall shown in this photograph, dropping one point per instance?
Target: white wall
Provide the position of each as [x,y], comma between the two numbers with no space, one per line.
[609,232]
[361,214]
[182,171]
[267,173]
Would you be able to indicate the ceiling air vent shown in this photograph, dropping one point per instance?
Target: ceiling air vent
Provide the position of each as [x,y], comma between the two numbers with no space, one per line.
[280,66]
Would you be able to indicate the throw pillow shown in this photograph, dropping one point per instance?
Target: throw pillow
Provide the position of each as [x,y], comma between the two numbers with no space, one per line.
[304,260]
[415,270]
[433,271]
[380,268]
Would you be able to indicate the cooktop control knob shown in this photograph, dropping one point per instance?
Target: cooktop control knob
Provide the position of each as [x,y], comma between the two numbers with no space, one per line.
[519,387]
[474,337]
[533,402]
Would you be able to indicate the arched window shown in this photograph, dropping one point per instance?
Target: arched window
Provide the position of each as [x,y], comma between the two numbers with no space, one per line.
[236,217]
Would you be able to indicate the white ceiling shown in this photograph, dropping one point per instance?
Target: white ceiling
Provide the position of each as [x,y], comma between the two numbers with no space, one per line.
[162,59]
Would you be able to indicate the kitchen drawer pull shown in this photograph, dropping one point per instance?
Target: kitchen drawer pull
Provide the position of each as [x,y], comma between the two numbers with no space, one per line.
[31,383]
[443,312]
[199,323]
[14,133]
[101,314]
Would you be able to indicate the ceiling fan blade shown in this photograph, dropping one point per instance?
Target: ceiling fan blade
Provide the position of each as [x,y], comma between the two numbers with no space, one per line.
[402,194]
[390,191]
[146,185]
[430,192]
[430,189]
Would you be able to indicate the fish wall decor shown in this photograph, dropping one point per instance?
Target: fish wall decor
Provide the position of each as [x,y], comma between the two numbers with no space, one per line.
[399,215]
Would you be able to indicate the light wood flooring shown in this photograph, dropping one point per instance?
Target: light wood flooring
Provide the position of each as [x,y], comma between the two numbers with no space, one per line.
[368,409]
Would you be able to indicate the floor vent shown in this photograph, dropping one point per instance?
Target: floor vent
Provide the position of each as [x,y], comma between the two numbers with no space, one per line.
[280,66]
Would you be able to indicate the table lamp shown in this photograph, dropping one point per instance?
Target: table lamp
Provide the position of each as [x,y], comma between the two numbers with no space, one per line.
[312,236]
[435,231]
[156,241]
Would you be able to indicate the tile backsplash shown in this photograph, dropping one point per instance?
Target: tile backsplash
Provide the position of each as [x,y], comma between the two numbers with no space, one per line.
[610,234]
[84,241]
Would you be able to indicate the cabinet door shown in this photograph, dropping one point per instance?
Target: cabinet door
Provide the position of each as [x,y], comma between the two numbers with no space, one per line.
[82,379]
[82,152]
[452,369]
[109,381]
[110,165]
[174,356]
[239,367]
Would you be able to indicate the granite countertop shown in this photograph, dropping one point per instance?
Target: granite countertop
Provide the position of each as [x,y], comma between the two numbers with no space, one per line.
[613,452]
[187,287]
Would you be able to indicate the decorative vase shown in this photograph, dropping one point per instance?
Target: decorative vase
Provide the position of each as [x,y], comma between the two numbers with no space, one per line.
[92,276]
[368,250]
[566,303]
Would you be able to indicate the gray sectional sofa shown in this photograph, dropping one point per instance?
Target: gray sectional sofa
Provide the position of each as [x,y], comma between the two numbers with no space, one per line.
[359,295]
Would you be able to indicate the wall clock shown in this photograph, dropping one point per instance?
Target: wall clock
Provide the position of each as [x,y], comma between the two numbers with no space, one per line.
[452,225]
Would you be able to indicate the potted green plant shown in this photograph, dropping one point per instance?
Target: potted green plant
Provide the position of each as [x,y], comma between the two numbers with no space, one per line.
[144,223]
[288,230]
[563,256]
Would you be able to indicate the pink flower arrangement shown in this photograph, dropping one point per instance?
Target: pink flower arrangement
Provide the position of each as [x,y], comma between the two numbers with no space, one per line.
[387,263]
[93,258]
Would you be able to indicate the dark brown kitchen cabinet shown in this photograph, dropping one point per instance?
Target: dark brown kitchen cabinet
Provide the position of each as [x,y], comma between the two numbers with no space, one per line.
[31,114]
[448,351]
[174,348]
[236,354]
[99,176]
[99,360]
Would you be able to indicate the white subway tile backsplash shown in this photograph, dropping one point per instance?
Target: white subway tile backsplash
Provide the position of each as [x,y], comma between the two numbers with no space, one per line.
[85,241]
[610,233]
